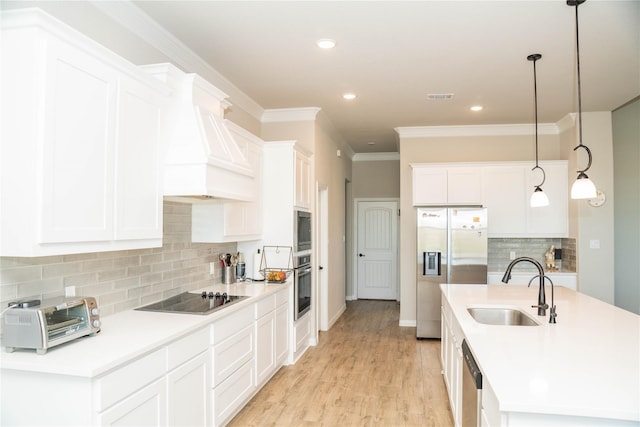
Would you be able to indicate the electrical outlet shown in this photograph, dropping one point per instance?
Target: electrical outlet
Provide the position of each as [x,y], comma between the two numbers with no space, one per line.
[594,244]
[69,291]
[512,255]
[212,268]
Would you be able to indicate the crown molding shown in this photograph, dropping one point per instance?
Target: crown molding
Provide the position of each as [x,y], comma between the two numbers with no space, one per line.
[139,23]
[475,130]
[371,157]
[567,122]
[290,114]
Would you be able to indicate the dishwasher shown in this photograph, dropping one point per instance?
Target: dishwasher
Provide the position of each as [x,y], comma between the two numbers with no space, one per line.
[471,389]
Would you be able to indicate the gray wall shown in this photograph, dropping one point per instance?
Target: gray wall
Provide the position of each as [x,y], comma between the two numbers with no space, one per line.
[376,179]
[626,175]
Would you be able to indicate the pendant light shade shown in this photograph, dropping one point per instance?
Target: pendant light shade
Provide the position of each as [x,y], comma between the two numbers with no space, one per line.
[538,198]
[583,187]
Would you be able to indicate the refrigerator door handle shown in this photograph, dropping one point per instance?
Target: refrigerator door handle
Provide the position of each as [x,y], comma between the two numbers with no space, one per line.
[431,263]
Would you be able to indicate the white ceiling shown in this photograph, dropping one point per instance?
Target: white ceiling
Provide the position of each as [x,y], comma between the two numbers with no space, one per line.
[393,53]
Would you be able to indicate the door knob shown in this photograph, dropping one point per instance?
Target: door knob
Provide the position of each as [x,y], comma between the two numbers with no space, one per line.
[360,255]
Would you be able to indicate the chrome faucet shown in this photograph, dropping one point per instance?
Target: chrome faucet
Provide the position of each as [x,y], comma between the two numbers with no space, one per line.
[542,305]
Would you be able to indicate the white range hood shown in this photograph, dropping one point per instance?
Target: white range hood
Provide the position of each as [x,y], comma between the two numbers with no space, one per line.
[202,159]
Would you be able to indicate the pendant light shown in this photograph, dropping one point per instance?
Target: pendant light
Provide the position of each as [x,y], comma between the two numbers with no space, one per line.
[538,198]
[583,187]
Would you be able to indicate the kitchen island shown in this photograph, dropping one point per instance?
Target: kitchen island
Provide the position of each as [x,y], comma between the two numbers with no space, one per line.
[583,370]
[154,367]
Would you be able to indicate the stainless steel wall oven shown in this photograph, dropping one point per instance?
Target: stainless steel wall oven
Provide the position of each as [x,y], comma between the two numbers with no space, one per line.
[301,285]
[302,231]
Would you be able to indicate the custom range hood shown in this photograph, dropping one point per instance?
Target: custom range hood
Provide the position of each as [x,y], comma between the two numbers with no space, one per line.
[202,159]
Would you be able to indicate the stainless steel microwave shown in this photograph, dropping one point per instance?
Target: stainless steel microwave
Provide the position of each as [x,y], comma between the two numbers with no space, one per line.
[302,231]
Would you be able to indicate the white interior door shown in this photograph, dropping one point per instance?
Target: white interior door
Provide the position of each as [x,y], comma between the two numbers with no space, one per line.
[377,249]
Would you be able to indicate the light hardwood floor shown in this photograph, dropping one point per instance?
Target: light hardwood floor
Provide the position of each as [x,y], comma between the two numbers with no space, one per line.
[365,371]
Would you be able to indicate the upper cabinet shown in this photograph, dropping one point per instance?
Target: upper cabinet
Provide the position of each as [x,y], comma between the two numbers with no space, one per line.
[81,143]
[505,188]
[302,178]
[451,185]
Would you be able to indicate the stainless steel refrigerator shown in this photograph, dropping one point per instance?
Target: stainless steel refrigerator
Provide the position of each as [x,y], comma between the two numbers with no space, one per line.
[452,248]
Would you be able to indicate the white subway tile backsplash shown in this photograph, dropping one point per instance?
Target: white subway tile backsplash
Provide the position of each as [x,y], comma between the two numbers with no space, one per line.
[120,280]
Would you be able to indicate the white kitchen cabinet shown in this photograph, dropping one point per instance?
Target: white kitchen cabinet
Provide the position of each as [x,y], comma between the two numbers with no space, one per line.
[303,190]
[504,197]
[451,356]
[188,380]
[272,335]
[446,185]
[233,369]
[224,221]
[265,340]
[81,141]
[144,407]
[504,188]
[507,193]
[283,322]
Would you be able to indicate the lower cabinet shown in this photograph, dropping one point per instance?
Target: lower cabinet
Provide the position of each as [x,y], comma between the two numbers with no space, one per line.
[187,390]
[272,335]
[451,355]
[201,379]
[144,407]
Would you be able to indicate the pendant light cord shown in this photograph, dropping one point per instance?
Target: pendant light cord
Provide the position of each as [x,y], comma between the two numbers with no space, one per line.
[579,86]
[535,97]
[534,57]
[577,3]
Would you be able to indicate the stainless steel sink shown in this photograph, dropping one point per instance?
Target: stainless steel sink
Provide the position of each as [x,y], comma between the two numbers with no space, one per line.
[501,316]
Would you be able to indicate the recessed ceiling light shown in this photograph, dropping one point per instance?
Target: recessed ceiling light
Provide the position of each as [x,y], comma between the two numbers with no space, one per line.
[476,108]
[326,43]
[349,96]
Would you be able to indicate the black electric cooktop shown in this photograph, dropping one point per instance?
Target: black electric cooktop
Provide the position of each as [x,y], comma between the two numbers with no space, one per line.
[193,303]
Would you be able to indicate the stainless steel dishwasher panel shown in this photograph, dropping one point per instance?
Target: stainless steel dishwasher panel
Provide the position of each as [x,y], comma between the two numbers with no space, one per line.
[471,389]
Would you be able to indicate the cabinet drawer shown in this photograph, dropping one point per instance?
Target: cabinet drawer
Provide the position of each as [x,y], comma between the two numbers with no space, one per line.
[121,383]
[229,355]
[186,348]
[265,306]
[231,394]
[227,326]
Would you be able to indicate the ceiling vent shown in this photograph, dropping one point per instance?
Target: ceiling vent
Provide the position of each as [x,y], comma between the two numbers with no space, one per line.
[439,96]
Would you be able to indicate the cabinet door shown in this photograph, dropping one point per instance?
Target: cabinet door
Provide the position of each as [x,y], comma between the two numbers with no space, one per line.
[302,181]
[282,333]
[504,196]
[77,152]
[242,219]
[146,407]
[138,179]
[464,186]
[552,220]
[265,347]
[188,393]
[429,186]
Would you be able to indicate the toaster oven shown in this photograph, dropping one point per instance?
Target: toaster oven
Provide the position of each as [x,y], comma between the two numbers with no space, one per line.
[40,325]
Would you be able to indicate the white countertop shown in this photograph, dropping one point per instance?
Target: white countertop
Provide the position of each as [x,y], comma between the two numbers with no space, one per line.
[127,335]
[587,364]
